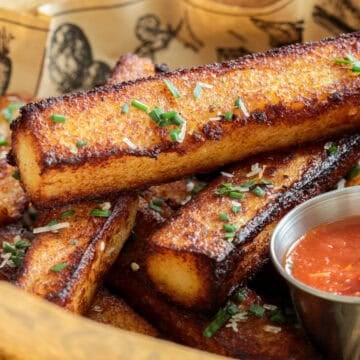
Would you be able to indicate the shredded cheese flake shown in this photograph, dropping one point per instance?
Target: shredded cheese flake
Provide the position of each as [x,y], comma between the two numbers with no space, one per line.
[6,260]
[186,200]
[134,266]
[272,329]
[341,184]
[244,109]
[226,174]
[255,170]
[241,316]
[55,227]
[235,203]
[129,143]
[105,205]
[182,132]
[97,309]
[190,186]
[270,307]
[216,118]
[205,85]
[102,246]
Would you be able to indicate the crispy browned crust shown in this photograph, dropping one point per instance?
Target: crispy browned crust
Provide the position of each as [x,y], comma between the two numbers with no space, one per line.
[11,233]
[98,241]
[131,67]
[251,342]
[111,310]
[13,200]
[293,94]
[188,258]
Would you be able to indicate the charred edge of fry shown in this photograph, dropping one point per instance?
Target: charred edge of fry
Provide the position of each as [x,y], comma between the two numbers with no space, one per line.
[210,279]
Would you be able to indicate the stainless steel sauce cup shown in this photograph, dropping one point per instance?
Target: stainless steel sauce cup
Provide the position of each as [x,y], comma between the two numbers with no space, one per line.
[331,321]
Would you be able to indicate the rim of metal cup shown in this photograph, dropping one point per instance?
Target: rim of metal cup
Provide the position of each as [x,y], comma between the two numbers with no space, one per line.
[307,205]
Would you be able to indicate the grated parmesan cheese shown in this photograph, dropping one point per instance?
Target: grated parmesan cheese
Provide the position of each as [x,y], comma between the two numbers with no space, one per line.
[341,184]
[272,329]
[55,227]
[129,143]
[255,170]
[105,205]
[5,260]
[186,200]
[97,308]
[190,186]
[134,266]
[226,174]
[241,316]
[102,246]
[205,85]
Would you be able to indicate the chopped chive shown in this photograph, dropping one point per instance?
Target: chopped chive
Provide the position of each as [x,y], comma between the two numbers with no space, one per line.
[228,115]
[277,316]
[125,108]
[238,103]
[53,222]
[259,191]
[100,213]
[200,186]
[224,217]
[221,317]
[177,120]
[229,228]
[168,115]
[3,141]
[82,143]
[266,182]
[174,91]
[9,111]
[197,91]
[9,248]
[236,209]
[236,195]
[349,60]
[256,310]
[58,118]
[67,213]
[229,235]
[59,267]
[155,114]
[155,204]
[139,105]
[174,134]
[16,175]
[22,244]
[332,149]
[240,295]
[355,171]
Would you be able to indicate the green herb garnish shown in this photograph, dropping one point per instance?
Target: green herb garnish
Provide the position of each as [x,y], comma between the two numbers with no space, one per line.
[100,213]
[67,213]
[175,134]
[228,115]
[258,191]
[200,186]
[224,217]
[174,91]
[139,105]
[222,316]
[53,222]
[355,171]
[236,209]
[155,204]
[240,295]
[231,190]
[58,118]
[59,267]
[256,310]
[9,112]
[197,91]
[3,141]
[82,143]
[17,251]
[229,228]
[351,61]
[277,316]
[125,108]
[16,175]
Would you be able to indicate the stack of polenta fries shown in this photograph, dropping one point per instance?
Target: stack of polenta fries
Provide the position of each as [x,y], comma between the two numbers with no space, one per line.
[96,166]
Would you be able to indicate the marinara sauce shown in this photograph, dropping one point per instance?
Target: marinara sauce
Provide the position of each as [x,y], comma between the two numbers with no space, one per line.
[328,257]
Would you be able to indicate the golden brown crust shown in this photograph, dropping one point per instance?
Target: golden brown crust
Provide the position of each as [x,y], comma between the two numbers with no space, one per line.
[88,247]
[131,67]
[251,341]
[13,200]
[293,94]
[188,258]
[111,310]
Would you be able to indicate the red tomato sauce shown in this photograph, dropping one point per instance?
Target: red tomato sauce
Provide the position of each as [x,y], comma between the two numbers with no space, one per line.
[328,257]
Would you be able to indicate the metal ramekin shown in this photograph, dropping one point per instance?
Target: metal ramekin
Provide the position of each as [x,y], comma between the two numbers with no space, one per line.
[331,321]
